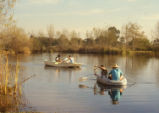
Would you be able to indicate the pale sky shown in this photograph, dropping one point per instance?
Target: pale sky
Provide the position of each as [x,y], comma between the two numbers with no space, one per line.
[83,15]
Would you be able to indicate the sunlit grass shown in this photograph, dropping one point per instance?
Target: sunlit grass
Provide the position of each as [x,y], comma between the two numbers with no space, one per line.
[10,90]
[8,76]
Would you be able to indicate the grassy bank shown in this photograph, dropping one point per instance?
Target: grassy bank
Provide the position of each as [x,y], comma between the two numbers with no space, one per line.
[87,50]
[107,51]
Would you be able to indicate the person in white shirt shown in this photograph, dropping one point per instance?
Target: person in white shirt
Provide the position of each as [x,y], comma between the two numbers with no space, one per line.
[69,59]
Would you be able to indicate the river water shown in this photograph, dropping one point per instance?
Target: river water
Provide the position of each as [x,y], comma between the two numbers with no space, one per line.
[59,89]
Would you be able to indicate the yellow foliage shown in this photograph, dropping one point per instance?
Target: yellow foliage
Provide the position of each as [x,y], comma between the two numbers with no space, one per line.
[26,50]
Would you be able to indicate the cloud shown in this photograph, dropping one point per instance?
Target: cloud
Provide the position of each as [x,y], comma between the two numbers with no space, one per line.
[44,1]
[131,0]
[151,17]
[83,13]
[91,12]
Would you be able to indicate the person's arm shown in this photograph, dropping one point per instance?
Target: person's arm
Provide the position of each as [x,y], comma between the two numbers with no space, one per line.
[121,75]
[110,73]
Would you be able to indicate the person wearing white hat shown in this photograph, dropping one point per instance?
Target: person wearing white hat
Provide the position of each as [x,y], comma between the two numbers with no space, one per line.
[115,73]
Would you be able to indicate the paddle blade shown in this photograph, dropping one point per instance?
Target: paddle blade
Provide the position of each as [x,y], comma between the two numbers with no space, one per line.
[83,78]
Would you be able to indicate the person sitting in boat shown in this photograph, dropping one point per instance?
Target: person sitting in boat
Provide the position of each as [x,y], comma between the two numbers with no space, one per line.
[58,58]
[69,59]
[66,60]
[103,71]
[115,73]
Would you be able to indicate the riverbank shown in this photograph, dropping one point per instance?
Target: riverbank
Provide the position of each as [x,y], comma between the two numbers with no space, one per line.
[107,51]
[89,50]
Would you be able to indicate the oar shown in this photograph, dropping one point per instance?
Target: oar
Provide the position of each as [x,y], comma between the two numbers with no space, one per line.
[83,78]
[87,77]
[82,86]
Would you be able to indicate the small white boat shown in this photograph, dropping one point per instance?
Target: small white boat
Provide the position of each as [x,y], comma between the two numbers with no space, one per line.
[106,81]
[61,64]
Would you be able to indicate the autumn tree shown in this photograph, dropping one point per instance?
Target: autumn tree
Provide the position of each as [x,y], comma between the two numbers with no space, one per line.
[156,38]
[51,32]
[113,36]
[75,41]
[134,36]
[15,39]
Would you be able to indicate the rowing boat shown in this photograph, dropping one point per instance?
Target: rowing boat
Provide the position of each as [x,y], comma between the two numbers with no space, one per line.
[106,81]
[61,64]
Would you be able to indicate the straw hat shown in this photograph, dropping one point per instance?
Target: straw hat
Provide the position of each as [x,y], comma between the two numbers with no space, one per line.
[116,66]
[102,67]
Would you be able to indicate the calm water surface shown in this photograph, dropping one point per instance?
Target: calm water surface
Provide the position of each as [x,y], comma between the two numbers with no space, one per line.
[59,89]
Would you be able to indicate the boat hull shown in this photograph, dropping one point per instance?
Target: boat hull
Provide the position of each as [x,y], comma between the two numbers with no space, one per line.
[58,64]
[107,81]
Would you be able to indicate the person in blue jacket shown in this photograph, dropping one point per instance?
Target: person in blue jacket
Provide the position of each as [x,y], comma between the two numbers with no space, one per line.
[115,73]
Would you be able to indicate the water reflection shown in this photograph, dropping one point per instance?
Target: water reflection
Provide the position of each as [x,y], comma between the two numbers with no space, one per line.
[9,103]
[82,86]
[61,68]
[11,86]
[14,103]
[59,89]
[115,92]
[60,73]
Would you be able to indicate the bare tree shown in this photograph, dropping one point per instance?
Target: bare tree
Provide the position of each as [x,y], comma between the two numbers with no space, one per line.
[51,32]
[130,32]
[6,12]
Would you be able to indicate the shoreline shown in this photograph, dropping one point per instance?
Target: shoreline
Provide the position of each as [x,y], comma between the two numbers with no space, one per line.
[121,52]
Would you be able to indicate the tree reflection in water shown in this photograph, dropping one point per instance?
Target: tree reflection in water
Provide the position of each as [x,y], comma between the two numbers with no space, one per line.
[14,103]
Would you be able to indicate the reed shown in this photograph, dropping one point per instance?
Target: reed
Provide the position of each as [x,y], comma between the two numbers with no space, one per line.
[11,97]
[16,75]
[8,76]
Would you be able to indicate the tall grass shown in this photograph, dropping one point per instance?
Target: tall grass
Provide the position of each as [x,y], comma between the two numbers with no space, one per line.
[10,90]
[8,76]
[11,98]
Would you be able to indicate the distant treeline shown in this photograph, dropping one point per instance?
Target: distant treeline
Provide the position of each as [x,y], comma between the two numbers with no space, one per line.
[108,40]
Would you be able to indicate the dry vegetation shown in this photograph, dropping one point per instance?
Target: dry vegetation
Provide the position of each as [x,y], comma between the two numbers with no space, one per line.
[10,89]
[107,40]
[12,39]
